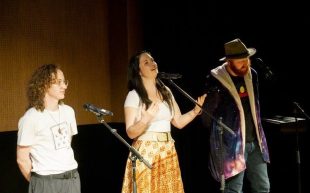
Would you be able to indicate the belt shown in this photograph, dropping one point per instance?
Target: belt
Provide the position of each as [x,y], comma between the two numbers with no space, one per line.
[66,175]
[156,136]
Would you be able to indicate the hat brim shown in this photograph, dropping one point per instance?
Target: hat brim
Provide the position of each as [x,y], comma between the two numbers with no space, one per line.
[251,52]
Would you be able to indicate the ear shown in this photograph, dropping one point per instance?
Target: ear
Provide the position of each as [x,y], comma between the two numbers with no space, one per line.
[228,66]
[229,62]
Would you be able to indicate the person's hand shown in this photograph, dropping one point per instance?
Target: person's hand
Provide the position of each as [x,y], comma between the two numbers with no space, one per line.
[149,114]
[200,101]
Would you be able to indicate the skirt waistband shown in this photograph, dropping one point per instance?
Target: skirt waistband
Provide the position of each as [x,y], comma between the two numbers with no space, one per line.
[156,136]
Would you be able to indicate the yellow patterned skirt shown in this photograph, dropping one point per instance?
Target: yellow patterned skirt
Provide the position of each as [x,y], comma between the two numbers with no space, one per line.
[165,175]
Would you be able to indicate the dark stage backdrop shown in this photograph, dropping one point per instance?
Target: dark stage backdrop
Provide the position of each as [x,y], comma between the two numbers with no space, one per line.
[187,37]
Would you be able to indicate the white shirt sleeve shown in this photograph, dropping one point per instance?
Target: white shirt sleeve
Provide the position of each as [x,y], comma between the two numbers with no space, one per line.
[132,99]
[27,128]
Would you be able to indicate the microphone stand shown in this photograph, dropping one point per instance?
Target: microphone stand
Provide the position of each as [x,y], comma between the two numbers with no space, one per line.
[220,127]
[134,153]
[297,143]
[202,109]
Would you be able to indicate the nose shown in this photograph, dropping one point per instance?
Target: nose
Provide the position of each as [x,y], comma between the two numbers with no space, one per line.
[154,64]
[64,84]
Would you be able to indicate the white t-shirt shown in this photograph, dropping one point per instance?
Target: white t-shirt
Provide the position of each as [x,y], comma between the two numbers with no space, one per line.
[162,120]
[49,134]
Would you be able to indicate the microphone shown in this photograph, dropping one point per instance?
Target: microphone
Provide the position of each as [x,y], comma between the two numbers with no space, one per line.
[96,110]
[266,70]
[164,75]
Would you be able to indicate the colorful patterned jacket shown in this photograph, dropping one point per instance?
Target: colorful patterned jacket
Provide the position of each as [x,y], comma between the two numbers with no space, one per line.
[224,102]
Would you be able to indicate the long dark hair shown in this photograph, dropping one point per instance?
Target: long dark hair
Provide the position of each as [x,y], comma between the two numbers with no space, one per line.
[135,82]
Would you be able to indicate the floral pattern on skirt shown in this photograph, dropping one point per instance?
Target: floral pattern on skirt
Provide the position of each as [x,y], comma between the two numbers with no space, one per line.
[165,175]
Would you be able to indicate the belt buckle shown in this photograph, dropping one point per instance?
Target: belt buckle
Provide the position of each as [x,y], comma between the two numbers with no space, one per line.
[69,175]
[162,137]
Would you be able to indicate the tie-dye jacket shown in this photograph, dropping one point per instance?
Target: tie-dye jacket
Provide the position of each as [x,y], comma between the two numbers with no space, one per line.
[224,102]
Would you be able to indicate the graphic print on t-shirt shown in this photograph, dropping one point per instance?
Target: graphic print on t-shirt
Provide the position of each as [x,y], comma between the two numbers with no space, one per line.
[242,92]
[61,135]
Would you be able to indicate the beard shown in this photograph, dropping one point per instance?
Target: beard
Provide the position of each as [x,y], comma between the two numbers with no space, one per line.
[240,71]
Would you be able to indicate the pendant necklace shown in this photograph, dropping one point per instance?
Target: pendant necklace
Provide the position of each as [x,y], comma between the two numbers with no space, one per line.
[57,123]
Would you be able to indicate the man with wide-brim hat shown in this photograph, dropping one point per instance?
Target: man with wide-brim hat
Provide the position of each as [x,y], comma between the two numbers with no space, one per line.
[237,58]
[233,98]
[236,49]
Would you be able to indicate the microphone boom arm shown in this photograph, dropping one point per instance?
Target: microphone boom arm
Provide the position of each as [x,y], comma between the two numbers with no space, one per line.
[132,149]
[203,110]
[301,110]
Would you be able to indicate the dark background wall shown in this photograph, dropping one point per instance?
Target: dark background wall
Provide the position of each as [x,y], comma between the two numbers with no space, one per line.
[187,37]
